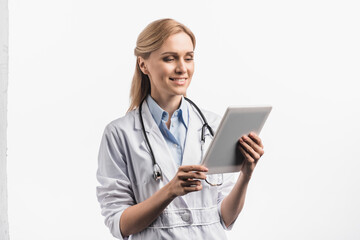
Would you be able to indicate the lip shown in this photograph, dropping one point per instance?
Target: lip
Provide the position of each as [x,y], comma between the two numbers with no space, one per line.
[178,78]
[179,81]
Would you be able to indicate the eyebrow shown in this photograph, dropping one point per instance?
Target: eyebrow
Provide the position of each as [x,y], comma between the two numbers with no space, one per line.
[174,53]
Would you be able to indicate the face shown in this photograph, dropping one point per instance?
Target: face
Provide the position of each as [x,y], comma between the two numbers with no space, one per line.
[171,67]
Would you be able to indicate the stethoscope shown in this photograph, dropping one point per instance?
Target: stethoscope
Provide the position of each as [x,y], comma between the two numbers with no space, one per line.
[157,173]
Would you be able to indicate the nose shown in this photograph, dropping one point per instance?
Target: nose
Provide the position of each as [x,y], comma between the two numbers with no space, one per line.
[180,67]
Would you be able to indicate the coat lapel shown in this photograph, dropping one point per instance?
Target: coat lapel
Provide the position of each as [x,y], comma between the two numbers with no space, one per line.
[159,146]
[192,150]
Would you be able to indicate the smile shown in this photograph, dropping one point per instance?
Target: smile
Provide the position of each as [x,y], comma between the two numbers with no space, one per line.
[178,79]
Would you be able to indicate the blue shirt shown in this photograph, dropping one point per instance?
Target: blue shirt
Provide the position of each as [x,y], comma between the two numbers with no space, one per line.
[175,137]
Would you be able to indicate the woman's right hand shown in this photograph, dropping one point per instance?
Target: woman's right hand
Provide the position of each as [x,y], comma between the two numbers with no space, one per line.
[187,179]
[139,216]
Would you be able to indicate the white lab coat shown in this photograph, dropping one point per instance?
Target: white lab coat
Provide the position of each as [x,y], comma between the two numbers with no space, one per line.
[125,174]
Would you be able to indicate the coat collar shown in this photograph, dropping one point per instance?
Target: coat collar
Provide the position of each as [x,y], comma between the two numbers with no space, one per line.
[149,122]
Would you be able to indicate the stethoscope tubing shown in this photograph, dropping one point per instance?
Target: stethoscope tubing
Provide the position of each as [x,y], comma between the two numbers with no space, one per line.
[157,173]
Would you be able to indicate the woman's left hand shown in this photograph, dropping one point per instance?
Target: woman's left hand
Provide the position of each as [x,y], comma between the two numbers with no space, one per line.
[251,148]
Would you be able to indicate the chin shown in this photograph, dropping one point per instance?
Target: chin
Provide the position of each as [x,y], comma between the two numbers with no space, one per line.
[180,92]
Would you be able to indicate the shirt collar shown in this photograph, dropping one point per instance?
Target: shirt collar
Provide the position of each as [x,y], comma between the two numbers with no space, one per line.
[161,115]
[184,112]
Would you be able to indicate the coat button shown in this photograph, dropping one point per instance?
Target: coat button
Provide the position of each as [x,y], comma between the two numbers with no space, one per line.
[185,217]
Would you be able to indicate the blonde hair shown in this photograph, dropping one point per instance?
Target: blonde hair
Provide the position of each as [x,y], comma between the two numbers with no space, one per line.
[150,40]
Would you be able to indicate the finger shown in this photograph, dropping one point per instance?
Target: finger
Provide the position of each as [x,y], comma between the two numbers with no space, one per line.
[193,188]
[246,155]
[252,153]
[191,175]
[256,139]
[190,183]
[191,168]
[253,145]
[187,177]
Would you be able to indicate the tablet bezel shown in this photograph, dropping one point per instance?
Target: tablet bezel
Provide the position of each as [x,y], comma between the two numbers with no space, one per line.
[259,116]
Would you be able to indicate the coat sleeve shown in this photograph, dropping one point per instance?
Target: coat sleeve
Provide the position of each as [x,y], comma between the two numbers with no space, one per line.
[115,193]
[229,180]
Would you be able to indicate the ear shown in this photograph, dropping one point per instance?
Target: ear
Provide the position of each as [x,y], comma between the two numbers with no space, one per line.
[142,65]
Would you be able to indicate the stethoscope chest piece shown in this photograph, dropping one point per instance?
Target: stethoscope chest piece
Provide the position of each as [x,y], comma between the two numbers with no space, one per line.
[157,174]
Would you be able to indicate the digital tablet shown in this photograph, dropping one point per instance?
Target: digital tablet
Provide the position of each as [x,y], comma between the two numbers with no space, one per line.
[222,155]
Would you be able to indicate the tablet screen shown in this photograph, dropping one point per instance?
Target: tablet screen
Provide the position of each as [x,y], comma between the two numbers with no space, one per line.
[222,155]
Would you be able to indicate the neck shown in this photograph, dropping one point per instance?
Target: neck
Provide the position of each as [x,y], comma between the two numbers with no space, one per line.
[168,103]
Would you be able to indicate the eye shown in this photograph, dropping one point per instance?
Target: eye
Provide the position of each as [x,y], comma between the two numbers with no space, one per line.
[189,58]
[168,59]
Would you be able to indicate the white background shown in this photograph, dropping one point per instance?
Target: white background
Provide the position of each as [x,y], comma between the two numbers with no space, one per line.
[71,64]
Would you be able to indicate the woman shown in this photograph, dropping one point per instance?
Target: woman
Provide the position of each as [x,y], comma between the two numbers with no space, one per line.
[179,205]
